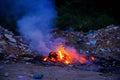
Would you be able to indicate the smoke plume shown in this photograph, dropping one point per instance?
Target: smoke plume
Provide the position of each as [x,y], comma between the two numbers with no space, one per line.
[37,24]
[34,20]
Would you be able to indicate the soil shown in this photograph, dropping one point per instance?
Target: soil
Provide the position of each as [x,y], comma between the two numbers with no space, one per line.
[25,71]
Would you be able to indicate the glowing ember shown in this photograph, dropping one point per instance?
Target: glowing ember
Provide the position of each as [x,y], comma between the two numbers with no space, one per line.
[92,58]
[82,59]
[66,56]
[45,59]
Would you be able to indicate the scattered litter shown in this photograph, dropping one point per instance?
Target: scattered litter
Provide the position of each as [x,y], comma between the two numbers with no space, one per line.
[27,63]
[21,76]
[13,44]
[9,36]
[38,76]
[102,49]
[91,42]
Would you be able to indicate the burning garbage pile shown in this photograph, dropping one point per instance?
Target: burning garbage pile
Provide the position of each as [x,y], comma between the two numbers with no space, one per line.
[65,56]
[102,44]
[86,53]
[81,61]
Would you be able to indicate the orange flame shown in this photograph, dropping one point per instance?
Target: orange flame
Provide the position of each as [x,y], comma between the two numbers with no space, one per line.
[82,59]
[63,55]
[66,56]
[92,58]
[45,58]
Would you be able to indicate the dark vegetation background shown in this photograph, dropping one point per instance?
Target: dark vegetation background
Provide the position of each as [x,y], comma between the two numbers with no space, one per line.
[75,15]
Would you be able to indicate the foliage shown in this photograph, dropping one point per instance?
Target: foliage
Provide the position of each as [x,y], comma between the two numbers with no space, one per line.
[81,15]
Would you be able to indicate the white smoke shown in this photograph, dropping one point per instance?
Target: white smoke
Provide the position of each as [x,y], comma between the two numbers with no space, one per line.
[37,23]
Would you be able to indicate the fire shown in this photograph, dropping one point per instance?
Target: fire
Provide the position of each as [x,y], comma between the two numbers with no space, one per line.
[63,55]
[82,59]
[66,56]
[45,58]
[92,58]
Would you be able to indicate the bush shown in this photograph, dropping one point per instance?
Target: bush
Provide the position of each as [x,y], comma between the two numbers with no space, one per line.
[78,15]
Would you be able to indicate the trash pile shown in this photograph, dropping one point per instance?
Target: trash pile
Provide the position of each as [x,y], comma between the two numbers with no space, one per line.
[12,47]
[103,42]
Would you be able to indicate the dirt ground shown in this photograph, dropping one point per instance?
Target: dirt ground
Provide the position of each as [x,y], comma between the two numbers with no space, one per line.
[23,71]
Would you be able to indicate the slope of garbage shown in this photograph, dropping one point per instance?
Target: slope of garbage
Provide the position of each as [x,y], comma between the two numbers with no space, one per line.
[104,44]
[12,46]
